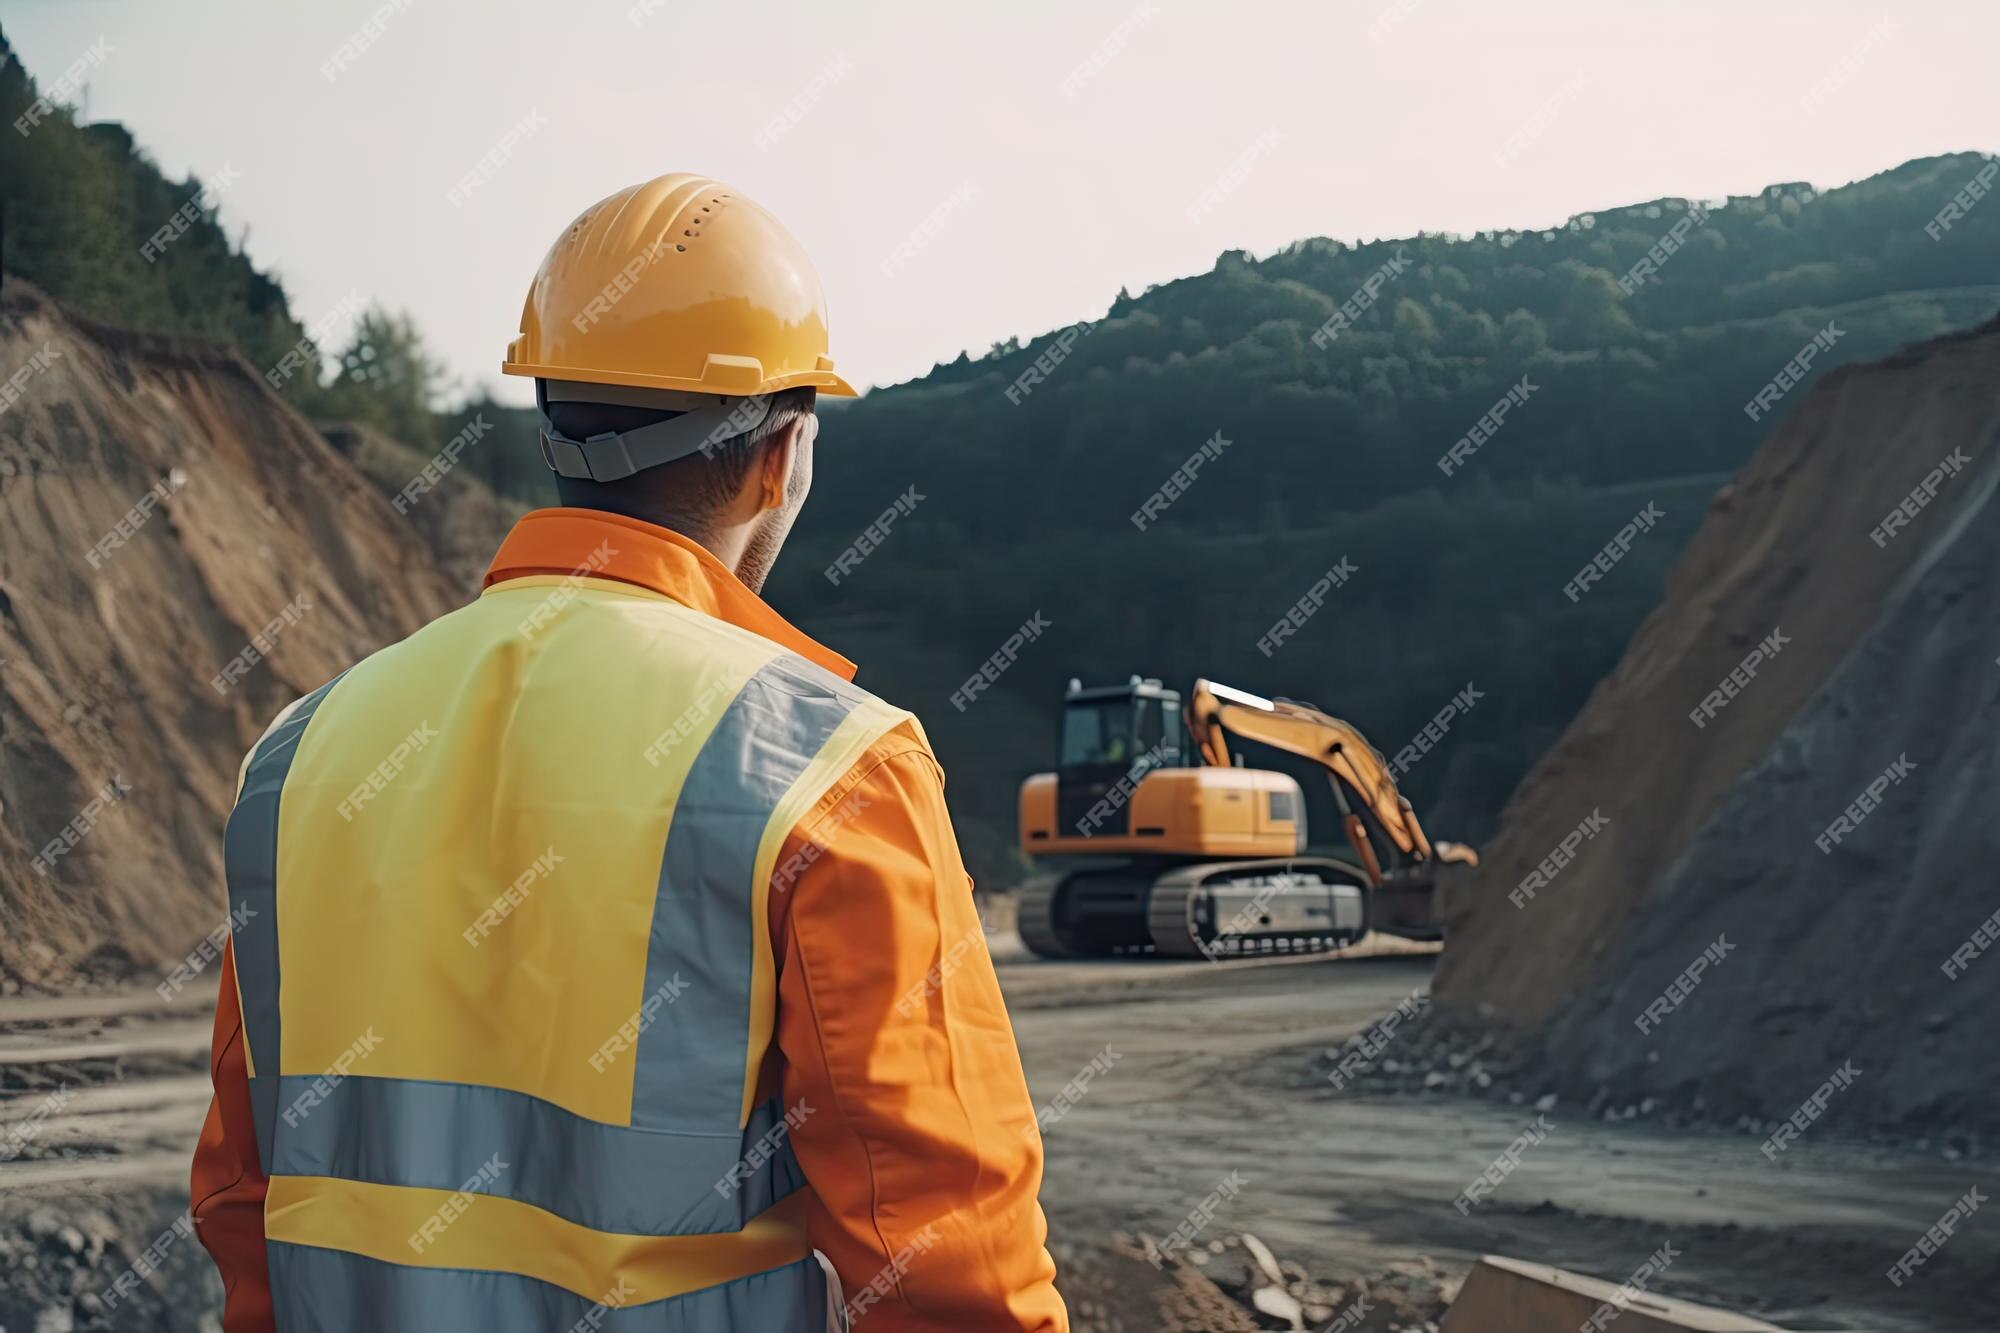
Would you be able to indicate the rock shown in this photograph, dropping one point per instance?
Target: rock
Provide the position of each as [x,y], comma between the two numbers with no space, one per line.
[1280,1304]
[1267,1262]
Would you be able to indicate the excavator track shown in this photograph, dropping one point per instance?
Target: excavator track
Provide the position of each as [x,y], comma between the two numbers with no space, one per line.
[1087,912]
[1209,909]
[1231,909]
[1034,905]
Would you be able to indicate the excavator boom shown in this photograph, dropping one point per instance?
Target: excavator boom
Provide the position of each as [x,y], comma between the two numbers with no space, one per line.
[1215,712]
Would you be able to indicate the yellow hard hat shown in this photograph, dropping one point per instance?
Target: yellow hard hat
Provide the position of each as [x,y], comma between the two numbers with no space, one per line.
[679,284]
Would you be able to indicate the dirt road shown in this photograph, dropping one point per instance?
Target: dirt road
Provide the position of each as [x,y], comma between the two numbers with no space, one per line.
[1206,1069]
[101,1097]
[1212,1075]
[101,1087]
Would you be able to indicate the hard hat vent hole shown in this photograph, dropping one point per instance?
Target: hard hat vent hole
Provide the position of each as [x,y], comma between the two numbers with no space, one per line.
[680,247]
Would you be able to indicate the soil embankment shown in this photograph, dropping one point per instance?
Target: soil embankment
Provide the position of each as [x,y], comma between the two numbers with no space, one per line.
[1874,646]
[180,555]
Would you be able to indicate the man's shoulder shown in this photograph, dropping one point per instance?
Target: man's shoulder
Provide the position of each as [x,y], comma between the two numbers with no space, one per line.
[789,673]
[896,766]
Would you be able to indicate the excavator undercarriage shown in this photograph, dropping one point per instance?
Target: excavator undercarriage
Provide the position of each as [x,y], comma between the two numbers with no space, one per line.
[1203,909]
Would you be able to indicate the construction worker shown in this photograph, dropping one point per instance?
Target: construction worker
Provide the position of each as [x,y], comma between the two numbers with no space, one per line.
[603,957]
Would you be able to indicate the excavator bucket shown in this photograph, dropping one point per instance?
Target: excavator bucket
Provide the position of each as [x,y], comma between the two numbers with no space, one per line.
[1511,1296]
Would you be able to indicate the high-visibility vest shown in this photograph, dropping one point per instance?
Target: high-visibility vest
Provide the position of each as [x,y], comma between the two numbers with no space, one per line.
[506,976]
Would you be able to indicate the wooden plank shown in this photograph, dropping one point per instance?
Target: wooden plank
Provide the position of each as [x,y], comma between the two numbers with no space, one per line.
[1511,1296]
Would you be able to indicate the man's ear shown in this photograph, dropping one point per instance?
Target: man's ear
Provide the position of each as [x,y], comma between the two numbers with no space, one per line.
[774,468]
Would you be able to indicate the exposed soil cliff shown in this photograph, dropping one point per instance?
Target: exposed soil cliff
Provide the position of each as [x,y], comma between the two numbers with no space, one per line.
[1722,794]
[180,555]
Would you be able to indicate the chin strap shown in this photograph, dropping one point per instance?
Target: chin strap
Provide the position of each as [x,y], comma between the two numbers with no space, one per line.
[704,421]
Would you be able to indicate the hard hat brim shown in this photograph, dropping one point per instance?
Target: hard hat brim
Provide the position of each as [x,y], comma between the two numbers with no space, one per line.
[826,381]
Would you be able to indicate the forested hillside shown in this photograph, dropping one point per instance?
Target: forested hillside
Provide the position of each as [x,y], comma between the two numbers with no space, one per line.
[1629,400]
[1338,375]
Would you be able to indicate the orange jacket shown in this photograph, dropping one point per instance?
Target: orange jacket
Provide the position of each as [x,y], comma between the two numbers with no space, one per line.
[890,1021]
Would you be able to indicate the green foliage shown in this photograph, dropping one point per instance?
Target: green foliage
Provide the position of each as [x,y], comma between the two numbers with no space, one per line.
[1415,331]
[92,221]
[1334,451]
[386,379]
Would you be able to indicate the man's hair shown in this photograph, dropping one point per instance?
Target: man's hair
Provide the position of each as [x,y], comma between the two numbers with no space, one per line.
[692,490]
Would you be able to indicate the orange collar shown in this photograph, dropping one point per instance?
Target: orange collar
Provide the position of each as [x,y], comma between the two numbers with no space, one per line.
[566,541]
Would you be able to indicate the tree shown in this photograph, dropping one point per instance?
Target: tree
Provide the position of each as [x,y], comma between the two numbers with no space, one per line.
[1521,336]
[1415,330]
[387,379]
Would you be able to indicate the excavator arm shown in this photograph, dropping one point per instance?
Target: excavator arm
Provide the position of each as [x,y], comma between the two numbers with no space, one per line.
[1356,771]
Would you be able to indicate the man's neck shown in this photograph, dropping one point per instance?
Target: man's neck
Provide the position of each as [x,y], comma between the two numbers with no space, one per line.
[725,547]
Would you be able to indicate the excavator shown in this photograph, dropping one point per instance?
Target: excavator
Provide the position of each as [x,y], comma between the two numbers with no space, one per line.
[1169,845]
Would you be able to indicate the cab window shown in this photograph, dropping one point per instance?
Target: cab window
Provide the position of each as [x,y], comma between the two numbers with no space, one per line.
[1098,734]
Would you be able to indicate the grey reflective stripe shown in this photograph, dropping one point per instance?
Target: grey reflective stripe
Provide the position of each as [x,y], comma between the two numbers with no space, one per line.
[250,865]
[331,1291]
[410,1132]
[689,1071]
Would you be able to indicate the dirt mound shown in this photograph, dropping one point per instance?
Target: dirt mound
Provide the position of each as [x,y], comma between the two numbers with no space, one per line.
[1840,956]
[1852,645]
[180,555]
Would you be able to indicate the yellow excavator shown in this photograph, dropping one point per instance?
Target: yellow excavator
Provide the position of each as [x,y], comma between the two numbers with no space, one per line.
[1168,844]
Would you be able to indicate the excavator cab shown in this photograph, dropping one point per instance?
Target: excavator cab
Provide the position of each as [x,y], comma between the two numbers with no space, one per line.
[1113,734]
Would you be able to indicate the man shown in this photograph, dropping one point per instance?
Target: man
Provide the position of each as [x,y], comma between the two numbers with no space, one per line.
[605,957]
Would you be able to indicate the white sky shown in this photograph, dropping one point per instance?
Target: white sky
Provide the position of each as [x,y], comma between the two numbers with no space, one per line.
[342,185]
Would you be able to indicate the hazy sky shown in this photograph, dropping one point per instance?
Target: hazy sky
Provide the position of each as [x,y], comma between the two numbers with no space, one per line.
[1062,149]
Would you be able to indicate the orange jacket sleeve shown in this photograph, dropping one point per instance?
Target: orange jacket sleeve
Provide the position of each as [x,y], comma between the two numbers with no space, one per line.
[920,1144]
[227,1190]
